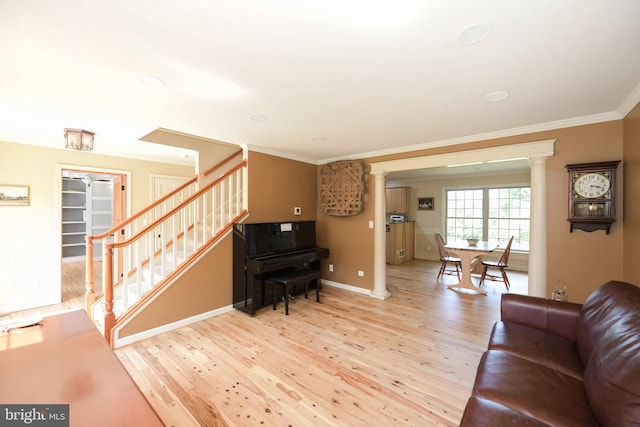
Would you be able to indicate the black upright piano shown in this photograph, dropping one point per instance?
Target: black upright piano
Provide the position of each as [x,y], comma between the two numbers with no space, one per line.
[263,250]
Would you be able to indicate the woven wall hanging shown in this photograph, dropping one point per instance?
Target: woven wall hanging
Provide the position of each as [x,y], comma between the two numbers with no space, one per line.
[342,188]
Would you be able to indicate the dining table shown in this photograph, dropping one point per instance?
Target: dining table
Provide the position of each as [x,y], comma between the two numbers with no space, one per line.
[467,253]
[60,367]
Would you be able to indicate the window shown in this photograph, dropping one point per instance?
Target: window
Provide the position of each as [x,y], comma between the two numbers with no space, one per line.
[464,214]
[490,214]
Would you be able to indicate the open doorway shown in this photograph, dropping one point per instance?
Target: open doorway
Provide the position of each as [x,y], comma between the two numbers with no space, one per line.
[536,152]
[92,202]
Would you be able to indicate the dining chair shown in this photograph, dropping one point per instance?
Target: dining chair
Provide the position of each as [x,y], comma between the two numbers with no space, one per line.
[501,264]
[445,259]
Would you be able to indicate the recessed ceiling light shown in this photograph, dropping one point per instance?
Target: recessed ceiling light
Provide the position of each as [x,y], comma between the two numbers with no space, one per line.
[152,81]
[496,96]
[474,33]
[259,118]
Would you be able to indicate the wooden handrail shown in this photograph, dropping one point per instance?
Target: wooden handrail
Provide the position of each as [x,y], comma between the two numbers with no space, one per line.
[137,215]
[176,209]
[219,164]
[162,199]
[117,247]
[173,274]
[90,295]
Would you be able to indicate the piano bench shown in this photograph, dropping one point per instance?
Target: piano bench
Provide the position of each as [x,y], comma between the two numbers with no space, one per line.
[287,280]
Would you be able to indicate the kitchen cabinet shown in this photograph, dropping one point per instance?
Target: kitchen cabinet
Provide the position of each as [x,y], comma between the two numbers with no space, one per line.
[400,241]
[397,200]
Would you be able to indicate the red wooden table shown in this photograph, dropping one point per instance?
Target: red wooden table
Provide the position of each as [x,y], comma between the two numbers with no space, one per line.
[65,360]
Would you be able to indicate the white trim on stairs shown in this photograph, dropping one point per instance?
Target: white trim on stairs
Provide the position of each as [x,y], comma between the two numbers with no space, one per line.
[120,342]
[117,341]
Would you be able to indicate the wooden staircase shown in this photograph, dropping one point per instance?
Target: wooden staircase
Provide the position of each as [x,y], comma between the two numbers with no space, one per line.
[144,255]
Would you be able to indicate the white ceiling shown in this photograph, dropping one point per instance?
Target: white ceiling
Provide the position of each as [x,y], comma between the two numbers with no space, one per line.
[333,78]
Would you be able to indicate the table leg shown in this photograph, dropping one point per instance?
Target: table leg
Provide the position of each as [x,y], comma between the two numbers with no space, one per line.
[466,258]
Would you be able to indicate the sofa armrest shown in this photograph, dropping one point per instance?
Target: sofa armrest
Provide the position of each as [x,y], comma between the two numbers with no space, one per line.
[555,317]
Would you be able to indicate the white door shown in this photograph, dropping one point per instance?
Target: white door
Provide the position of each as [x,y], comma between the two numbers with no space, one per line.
[162,185]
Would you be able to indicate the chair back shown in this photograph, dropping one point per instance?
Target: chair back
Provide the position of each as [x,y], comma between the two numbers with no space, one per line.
[504,259]
[440,244]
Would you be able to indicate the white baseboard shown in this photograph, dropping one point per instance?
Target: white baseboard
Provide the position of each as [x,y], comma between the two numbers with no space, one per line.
[346,287]
[120,342]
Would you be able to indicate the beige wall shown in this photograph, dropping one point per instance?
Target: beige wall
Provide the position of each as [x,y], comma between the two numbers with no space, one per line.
[277,185]
[631,210]
[34,231]
[203,288]
[350,243]
[582,261]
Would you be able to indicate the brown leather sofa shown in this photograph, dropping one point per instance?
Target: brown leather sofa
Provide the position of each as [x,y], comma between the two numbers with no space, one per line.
[552,363]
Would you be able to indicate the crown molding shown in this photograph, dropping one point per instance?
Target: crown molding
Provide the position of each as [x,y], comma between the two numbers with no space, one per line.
[630,102]
[523,130]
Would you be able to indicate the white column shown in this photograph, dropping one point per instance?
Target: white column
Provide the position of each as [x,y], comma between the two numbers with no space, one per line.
[538,243]
[379,239]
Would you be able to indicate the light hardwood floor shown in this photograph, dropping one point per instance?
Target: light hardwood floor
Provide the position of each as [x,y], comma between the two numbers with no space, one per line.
[351,360]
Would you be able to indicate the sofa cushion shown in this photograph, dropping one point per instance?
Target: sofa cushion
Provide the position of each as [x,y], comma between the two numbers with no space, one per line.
[550,350]
[601,312]
[554,317]
[608,339]
[535,390]
[482,413]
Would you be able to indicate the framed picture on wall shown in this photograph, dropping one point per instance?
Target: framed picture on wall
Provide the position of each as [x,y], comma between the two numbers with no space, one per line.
[425,203]
[14,195]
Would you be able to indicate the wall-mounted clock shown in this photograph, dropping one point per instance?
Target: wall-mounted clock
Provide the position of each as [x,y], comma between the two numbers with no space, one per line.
[592,194]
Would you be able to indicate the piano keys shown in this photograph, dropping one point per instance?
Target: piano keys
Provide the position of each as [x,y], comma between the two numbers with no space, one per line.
[263,250]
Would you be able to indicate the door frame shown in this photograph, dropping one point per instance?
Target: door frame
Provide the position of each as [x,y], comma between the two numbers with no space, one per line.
[122,202]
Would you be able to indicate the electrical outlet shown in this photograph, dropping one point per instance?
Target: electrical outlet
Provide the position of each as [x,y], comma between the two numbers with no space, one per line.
[331,268]
[297,210]
[360,273]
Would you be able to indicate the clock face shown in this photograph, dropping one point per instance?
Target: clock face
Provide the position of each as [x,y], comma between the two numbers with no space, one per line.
[591,185]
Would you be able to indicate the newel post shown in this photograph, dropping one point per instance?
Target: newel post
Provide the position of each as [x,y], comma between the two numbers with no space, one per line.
[90,290]
[107,283]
